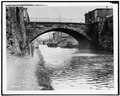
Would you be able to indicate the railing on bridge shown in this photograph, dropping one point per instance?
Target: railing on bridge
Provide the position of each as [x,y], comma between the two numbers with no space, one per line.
[57,20]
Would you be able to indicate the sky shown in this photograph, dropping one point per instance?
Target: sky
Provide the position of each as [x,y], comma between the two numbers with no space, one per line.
[74,13]
[45,36]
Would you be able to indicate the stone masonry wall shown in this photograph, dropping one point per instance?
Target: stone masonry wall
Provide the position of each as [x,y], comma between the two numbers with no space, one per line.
[103,34]
[15,29]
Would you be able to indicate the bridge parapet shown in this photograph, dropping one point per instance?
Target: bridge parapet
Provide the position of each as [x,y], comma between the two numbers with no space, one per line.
[57,19]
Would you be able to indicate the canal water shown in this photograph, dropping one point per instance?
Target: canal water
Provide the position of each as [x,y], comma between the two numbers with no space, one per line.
[69,69]
[73,69]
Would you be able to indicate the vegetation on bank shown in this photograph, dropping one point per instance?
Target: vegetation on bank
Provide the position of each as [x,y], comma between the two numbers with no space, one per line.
[42,75]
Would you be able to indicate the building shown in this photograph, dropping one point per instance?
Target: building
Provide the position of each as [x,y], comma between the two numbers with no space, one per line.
[58,36]
[98,15]
[61,37]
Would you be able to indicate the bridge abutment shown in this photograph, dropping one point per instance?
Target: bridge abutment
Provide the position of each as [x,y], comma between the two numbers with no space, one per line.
[84,44]
[102,35]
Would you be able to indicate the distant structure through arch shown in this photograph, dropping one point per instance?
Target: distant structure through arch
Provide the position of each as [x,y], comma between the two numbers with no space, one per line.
[77,30]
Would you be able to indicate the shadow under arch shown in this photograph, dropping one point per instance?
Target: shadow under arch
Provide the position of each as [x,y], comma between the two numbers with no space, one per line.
[81,38]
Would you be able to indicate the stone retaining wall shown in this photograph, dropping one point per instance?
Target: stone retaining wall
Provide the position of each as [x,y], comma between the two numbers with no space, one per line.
[15,29]
[103,34]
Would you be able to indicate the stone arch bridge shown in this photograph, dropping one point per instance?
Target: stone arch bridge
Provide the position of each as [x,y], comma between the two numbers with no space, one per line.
[80,31]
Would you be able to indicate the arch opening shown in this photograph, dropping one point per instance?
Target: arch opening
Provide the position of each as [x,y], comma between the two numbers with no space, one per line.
[83,41]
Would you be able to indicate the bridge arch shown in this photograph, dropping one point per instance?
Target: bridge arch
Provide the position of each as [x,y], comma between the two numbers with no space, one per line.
[70,32]
[81,38]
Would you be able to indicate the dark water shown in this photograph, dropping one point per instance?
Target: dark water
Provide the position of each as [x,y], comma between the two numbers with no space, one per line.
[73,69]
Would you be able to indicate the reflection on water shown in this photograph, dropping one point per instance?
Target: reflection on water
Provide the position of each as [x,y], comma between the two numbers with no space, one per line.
[78,69]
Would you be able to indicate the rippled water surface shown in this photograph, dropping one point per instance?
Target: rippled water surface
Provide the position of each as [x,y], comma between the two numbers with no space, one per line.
[78,69]
[69,69]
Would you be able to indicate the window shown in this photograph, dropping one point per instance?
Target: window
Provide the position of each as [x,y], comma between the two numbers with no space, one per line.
[95,13]
[98,19]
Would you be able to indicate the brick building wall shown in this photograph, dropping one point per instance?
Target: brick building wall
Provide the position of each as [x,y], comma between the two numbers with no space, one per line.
[98,15]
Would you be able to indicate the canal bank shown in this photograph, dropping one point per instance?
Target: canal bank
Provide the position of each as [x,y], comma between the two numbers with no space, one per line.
[41,72]
[27,73]
[21,73]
